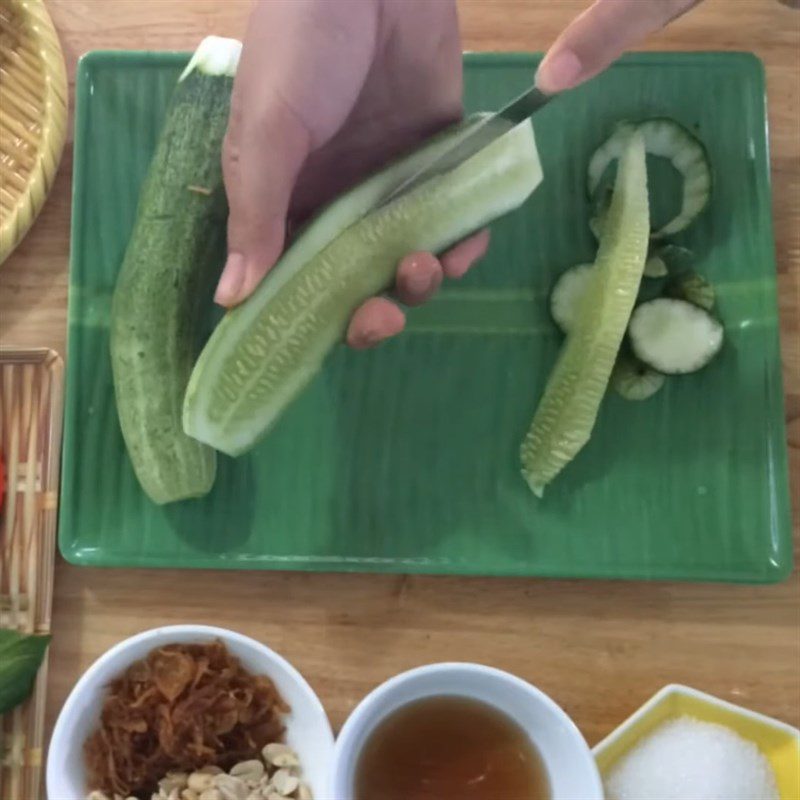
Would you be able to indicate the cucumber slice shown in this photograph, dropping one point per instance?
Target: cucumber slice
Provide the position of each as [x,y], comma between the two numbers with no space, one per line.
[568,294]
[634,380]
[173,259]
[215,56]
[695,289]
[568,409]
[674,336]
[667,259]
[264,352]
[675,257]
[655,267]
[667,139]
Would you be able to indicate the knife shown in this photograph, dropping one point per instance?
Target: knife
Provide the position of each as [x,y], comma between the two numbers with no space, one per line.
[484,133]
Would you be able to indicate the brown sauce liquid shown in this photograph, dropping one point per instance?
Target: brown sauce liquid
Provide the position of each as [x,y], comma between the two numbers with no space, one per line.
[449,748]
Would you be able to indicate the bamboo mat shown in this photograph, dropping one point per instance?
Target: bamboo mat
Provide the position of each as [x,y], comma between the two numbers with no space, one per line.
[33,115]
[30,434]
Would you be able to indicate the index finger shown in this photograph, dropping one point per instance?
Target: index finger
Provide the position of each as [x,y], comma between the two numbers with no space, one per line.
[600,35]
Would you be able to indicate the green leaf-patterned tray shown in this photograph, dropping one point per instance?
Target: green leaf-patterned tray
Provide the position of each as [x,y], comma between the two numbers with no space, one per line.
[405,459]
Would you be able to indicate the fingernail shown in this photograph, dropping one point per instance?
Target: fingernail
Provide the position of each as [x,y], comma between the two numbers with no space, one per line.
[559,72]
[420,280]
[230,284]
[420,284]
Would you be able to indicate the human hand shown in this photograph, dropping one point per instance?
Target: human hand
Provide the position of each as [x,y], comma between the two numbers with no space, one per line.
[325,93]
[600,35]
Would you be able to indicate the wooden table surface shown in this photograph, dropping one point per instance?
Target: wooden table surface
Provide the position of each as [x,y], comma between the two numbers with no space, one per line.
[599,648]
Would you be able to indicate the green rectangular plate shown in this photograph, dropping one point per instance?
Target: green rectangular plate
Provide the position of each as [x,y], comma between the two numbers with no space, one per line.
[405,459]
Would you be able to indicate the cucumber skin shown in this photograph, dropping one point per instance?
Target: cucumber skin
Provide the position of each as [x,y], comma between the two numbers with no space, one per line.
[594,177]
[164,288]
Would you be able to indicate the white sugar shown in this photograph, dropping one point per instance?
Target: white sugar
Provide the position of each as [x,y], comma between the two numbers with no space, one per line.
[686,759]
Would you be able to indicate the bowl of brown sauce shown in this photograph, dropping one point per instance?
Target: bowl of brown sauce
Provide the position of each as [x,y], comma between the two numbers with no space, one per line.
[461,732]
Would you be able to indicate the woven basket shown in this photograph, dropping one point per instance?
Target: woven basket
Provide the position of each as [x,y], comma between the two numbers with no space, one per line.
[33,115]
[30,435]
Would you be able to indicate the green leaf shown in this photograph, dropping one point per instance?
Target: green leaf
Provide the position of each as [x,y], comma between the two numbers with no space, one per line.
[20,658]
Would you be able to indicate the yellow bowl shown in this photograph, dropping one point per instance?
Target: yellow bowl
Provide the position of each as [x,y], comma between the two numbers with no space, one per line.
[779,742]
[33,115]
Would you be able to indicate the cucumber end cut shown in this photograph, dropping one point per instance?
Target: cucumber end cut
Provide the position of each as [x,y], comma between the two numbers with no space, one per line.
[215,55]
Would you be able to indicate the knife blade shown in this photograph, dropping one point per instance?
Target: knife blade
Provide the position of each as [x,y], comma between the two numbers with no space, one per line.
[484,133]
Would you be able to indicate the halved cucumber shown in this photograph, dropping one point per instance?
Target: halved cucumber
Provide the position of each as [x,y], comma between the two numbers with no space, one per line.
[568,409]
[667,139]
[674,336]
[264,352]
[568,294]
[173,259]
[634,380]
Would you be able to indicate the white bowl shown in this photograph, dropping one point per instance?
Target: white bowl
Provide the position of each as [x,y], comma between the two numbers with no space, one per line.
[308,730]
[566,756]
[778,742]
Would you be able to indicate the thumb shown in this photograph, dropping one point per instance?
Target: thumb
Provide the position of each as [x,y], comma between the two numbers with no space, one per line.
[262,156]
[286,101]
[600,35]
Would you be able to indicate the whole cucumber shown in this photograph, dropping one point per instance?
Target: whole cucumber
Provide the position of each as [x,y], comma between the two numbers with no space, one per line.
[171,264]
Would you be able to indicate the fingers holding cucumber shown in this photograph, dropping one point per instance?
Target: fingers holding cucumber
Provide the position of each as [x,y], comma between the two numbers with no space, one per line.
[376,320]
[299,137]
[419,276]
